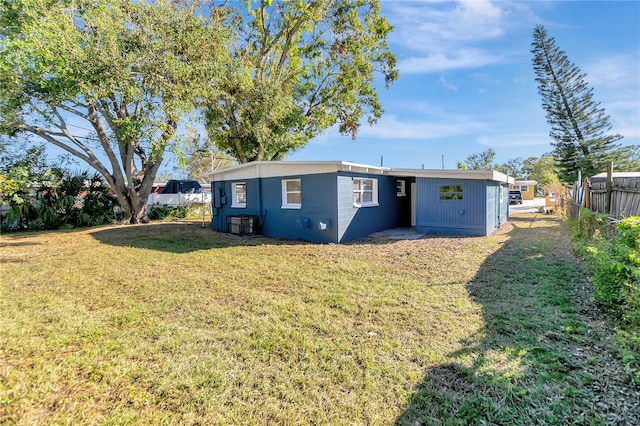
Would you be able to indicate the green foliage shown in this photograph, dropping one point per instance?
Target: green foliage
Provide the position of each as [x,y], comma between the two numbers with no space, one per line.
[17,181]
[629,159]
[298,68]
[541,169]
[43,197]
[615,260]
[578,125]
[129,71]
[168,212]
[479,161]
[197,155]
[191,211]
[514,167]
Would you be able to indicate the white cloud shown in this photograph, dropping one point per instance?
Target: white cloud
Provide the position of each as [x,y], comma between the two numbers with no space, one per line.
[445,61]
[614,71]
[616,84]
[390,127]
[448,84]
[440,36]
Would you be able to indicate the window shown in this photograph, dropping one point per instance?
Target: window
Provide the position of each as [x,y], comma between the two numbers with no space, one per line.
[401,190]
[365,192]
[291,194]
[239,194]
[524,188]
[451,192]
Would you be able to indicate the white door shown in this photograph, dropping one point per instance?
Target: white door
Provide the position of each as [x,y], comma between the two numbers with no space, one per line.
[413,204]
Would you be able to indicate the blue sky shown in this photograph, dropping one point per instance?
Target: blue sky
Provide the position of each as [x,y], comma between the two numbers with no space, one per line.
[467,83]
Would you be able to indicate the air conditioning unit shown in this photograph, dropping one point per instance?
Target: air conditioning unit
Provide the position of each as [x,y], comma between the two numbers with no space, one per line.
[241,225]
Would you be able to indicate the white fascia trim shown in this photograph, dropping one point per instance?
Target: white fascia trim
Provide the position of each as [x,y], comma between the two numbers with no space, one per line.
[263,169]
[453,174]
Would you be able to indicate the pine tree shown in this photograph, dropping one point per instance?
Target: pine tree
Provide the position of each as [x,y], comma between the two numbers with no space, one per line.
[579,125]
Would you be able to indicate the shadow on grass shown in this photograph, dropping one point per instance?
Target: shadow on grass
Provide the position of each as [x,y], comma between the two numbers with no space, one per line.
[179,237]
[18,243]
[187,237]
[519,368]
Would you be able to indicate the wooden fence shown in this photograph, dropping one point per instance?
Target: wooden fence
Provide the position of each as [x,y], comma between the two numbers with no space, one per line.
[625,197]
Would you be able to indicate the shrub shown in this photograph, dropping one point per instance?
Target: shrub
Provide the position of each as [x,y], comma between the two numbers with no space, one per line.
[615,261]
[160,212]
[59,199]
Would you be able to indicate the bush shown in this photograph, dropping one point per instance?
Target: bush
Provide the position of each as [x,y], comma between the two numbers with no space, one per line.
[615,261]
[59,200]
[191,211]
[160,212]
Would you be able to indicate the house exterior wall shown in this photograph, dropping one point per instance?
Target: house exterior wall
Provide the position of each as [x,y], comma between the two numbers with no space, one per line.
[358,222]
[464,217]
[528,190]
[497,211]
[327,212]
[315,220]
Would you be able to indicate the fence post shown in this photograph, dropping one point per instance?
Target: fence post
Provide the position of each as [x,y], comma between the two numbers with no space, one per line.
[607,206]
[587,193]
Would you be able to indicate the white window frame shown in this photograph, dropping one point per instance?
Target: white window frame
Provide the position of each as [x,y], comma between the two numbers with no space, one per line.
[373,190]
[234,195]
[401,188]
[285,194]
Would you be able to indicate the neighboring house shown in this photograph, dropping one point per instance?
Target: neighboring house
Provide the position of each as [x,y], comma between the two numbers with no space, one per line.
[527,187]
[341,201]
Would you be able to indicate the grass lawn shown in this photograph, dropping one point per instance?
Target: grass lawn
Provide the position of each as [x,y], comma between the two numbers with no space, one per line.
[172,323]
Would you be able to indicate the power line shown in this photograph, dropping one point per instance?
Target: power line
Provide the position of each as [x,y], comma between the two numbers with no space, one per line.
[80,127]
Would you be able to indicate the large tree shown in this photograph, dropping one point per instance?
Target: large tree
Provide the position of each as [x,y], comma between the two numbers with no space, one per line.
[579,126]
[514,167]
[541,169]
[479,161]
[298,68]
[198,157]
[124,71]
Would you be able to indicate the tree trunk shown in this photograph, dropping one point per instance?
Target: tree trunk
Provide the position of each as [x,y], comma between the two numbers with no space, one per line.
[134,212]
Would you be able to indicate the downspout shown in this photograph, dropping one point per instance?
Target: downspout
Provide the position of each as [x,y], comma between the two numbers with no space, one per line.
[262,213]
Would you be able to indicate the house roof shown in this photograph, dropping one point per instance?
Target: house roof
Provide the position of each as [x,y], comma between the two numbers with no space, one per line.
[525,182]
[601,177]
[456,174]
[618,174]
[262,169]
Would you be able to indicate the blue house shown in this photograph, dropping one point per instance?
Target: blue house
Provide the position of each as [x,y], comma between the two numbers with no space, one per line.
[340,201]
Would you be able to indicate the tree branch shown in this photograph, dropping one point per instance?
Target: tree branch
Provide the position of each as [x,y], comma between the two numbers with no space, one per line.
[86,154]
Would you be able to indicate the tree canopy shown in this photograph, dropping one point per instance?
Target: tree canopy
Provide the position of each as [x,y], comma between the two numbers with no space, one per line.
[514,167]
[107,82]
[541,169]
[479,161]
[298,68]
[198,157]
[579,126]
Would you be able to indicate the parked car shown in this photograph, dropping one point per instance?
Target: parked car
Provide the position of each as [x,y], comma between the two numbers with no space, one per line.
[515,197]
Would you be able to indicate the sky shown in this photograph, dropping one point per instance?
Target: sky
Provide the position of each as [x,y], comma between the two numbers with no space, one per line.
[467,83]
